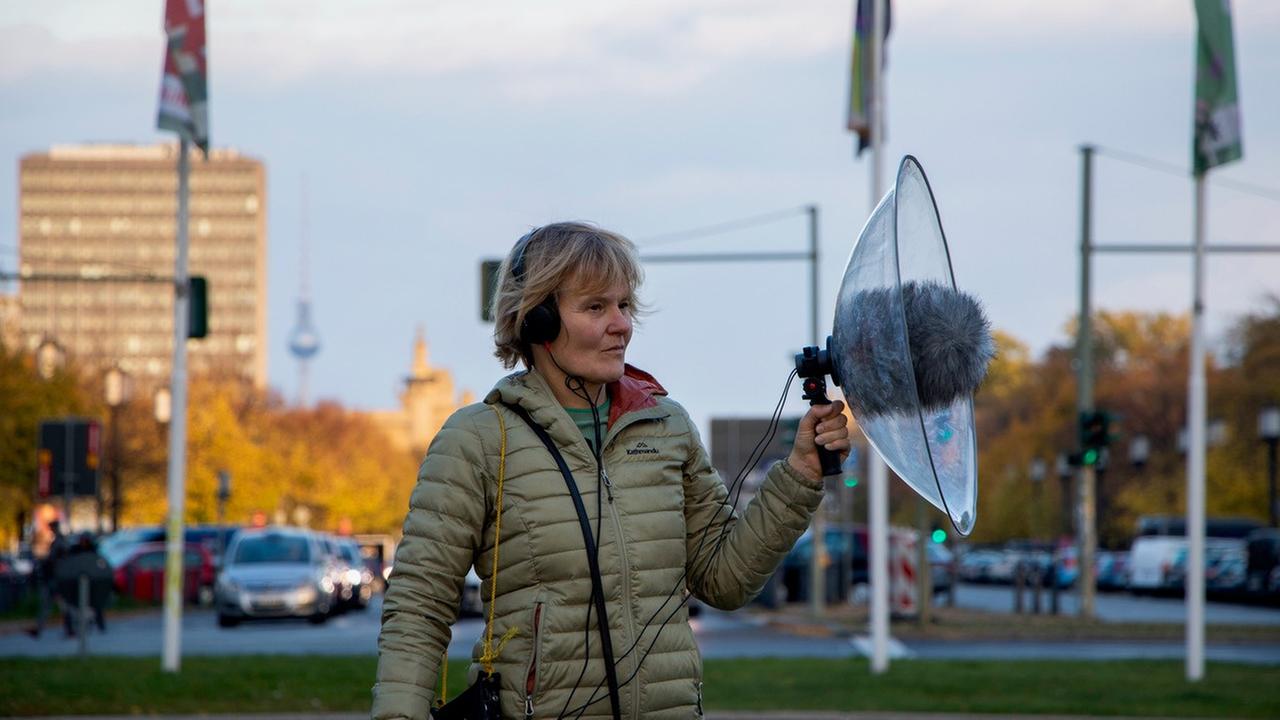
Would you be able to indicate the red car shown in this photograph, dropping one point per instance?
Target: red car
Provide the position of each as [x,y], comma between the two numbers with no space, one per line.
[140,573]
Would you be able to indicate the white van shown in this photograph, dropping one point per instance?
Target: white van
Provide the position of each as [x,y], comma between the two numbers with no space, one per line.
[1158,557]
[1152,561]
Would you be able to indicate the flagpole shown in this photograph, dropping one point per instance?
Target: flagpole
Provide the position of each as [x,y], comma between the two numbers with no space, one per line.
[174,545]
[1195,452]
[878,473]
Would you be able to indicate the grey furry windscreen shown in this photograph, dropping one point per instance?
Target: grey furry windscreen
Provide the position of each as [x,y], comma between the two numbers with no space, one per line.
[948,337]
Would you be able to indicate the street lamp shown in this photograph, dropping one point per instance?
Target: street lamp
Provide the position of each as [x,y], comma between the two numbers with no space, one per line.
[1269,432]
[1036,472]
[115,387]
[50,357]
[163,406]
[1139,451]
[1215,435]
[1065,474]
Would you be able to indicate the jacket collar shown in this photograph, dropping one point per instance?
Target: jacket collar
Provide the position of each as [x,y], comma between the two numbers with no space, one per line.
[636,391]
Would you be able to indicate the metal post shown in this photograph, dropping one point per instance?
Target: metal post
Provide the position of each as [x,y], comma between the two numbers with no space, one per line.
[924,572]
[68,470]
[172,651]
[877,471]
[1195,453]
[82,614]
[1084,387]
[1271,486]
[817,566]
[224,494]
[114,414]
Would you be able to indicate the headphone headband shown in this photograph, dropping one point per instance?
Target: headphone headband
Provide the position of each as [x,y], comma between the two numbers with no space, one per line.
[542,323]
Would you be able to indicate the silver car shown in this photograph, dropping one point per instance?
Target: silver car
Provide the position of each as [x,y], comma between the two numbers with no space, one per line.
[274,572]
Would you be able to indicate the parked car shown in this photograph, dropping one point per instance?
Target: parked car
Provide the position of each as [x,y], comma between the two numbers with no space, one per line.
[975,565]
[846,549]
[1263,547]
[275,572]
[942,568]
[1112,570]
[337,567]
[359,578]
[138,572]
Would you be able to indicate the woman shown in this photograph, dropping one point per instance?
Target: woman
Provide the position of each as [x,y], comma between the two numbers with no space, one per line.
[652,506]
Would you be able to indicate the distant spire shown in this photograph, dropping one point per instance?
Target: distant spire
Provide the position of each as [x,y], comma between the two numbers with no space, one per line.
[420,365]
[304,342]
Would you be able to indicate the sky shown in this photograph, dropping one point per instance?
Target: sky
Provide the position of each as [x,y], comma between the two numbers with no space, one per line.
[431,135]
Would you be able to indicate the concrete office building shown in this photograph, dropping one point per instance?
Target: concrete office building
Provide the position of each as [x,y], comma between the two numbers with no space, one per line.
[95,211]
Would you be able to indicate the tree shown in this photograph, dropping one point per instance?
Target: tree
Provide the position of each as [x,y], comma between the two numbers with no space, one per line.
[25,400]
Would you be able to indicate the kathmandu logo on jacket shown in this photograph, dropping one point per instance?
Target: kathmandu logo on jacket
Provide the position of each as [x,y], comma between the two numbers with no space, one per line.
[642,448]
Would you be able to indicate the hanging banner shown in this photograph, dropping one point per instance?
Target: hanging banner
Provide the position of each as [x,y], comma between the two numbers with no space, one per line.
[862,87]
[184,96]
[1216,137]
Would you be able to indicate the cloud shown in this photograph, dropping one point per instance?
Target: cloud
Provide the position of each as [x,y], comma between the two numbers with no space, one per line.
[546,50]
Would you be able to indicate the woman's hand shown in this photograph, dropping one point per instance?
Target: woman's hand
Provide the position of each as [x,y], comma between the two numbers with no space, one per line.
[830,426]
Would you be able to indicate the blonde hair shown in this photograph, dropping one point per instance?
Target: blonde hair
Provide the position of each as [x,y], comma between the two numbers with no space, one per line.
[555,257]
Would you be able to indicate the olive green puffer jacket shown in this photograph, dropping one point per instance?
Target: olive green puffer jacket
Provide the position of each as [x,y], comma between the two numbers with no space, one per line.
[661,494]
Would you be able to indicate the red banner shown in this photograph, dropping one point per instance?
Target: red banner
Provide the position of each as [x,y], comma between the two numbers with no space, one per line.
[184,96]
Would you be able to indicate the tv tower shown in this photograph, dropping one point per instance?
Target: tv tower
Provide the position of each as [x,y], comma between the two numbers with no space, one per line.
[304,343]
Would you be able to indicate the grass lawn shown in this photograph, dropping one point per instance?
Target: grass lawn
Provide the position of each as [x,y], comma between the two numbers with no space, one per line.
[305,684]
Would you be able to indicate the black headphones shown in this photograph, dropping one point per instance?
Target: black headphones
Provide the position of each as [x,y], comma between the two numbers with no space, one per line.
[542,323]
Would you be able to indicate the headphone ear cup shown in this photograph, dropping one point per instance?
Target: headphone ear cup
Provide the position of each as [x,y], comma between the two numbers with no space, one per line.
[541,324]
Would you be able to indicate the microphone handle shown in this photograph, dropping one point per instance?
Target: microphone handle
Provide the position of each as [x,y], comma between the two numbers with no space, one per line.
[830,459]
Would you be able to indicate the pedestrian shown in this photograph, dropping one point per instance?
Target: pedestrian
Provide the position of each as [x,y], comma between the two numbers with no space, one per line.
[81,560]
[47,546]
[641,522]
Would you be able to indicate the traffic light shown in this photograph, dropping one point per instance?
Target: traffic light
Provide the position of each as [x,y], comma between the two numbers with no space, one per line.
[939,536]
[850,481]
[1095,435]
[198,307]
[488,288]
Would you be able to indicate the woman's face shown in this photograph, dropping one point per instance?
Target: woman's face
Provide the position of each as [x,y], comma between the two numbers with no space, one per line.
[595,328]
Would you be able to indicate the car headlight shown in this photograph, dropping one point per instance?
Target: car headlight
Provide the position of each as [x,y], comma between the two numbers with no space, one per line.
[229,586]
[326,584]
[306,593]
[353,576]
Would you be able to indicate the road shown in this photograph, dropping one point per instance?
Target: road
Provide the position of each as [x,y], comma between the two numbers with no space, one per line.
[1118,607]
[720,635]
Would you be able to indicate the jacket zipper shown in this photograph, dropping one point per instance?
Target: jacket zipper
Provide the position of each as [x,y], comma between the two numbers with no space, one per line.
[531,680]
[608,486]
[700,712]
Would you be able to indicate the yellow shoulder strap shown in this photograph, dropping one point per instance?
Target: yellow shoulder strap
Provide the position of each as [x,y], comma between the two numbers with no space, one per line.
[486,659]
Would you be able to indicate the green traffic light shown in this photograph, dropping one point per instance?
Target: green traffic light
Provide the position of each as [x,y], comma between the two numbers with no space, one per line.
[851,481]
[939,536]
[1090,456]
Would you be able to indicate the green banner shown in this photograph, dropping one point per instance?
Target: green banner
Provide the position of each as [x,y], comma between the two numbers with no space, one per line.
[1216,137]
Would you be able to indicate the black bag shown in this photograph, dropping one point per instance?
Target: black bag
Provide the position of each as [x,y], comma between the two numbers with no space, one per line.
[478,702]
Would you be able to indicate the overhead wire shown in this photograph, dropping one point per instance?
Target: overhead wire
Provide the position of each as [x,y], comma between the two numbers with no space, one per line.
[719,228]
[1169,168]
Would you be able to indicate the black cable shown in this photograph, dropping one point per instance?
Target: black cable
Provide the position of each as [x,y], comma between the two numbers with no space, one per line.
[732,495]
[576,385]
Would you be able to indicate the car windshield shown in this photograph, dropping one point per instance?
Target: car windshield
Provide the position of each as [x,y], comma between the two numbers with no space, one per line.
[273,549]
[117,553]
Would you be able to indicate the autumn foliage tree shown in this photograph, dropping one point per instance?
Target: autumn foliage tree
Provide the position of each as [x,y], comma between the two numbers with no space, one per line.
[1027,410]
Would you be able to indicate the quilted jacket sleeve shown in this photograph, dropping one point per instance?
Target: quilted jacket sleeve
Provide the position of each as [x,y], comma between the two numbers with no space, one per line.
[442,532]
[751,543]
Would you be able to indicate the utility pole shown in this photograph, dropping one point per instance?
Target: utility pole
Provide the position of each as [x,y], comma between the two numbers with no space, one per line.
[1086,521]
[818,564]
